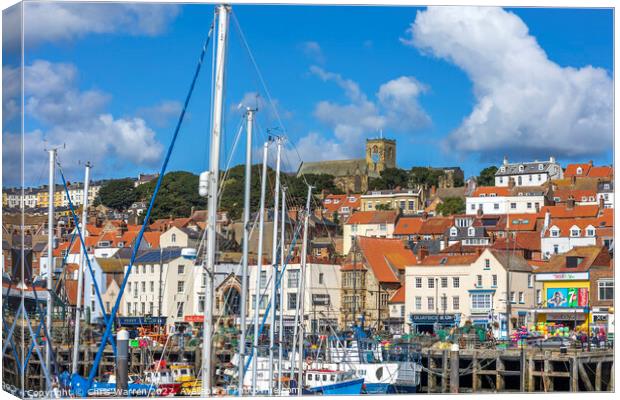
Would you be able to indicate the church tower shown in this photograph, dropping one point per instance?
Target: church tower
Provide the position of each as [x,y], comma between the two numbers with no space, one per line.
[380,154]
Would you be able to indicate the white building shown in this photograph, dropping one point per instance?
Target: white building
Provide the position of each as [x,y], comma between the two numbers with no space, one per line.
[605,194]
[450,290]
[528,173]
[321,300]
[506,200]
[564,234]
[370,224]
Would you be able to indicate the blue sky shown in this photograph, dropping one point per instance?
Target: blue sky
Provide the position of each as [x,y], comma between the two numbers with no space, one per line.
[337,74]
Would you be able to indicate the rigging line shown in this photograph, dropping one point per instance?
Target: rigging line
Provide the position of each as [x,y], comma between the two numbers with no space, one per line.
[107,332]
[260,75]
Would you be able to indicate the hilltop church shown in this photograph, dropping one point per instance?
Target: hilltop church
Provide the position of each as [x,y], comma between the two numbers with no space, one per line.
[351,176]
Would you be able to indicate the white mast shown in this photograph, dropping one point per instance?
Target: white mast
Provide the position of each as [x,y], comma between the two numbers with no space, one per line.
[302,294]
[281,319]
[214,165]
[246,247]
[259,266]
[78,312]
[274,269]
[50,256]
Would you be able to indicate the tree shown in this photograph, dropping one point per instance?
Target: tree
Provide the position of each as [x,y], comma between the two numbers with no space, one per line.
[451,206]
[391,178]
[487,176]
[383,207]
[298,190]
[177,195]
[117,194]
[425,176]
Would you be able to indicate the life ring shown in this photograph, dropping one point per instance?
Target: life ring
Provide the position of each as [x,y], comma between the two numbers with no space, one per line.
[309,360]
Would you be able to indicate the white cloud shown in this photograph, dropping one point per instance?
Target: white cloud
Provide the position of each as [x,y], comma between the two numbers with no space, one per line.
[78,120]
[313,51]
[65,21]
[162,113]
[526,103]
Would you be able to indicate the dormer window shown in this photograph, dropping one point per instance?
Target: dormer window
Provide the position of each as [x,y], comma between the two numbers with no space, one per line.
[352,199]
[502,169]
[471,232]
[575,232]
[336,201]
[555,232]
[521,168]
[590,231]
[453,231]
[579,170]
[328,201]
[540,167]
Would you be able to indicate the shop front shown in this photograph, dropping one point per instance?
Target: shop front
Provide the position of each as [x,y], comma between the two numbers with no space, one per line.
[430,323]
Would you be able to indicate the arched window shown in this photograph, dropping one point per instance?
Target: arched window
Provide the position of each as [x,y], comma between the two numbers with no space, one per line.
[173,238]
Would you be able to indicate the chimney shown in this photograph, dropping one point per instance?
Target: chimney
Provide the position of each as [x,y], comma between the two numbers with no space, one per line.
[570,203]
[552,159]
[422,253]
[590,163]
[573,180]
[424,216]
[601,204]
[505,160]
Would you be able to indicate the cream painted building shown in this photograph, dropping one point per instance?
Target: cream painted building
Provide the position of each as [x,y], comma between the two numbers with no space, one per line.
[451,290]
[321,299]
[379,224]
[409,201]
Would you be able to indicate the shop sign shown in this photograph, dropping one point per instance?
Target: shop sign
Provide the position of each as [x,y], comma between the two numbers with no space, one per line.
[428,319]
[599,318]
[194,318]
[565,276]
[565,317]
[567,297]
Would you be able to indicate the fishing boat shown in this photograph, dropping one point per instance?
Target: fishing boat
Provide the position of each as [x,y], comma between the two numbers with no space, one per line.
[162,378]
[106,387]
[332,382]
[409,363]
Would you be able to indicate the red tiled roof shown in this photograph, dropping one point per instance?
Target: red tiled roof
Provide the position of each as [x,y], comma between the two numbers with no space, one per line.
[517,222]
[593,256]
[601,172]
[373,217]
[71,290]
[566,224]
[334,202]
[152,238]
[486,191]
[436,225]
[571,170]
[523,241]
[408,226]
[398,296]
[458,249]
[587,211]
[385,256]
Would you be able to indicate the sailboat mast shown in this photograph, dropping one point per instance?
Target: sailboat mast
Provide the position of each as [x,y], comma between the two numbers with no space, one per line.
[246,247]
[304,251]
[281,316]
[50,255]
[214,164]
[274,269]
[80,284]
[259,266]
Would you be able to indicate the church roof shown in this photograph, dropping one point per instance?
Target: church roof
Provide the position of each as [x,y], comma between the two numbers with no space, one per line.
[336,168]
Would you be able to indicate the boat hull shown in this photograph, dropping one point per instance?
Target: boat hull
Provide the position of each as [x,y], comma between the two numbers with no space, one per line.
[376,388]
[341,388]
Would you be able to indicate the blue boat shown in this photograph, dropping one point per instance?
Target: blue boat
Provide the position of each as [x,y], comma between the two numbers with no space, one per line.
[79,388]
[332,382]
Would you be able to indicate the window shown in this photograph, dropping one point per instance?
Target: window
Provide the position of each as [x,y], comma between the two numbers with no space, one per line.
[579,171]
[453,232]
[455,302]
[402,204]
[512,297]
[473,206]
[263,279]
[479,280]
[513,205]
[556,249]
[173,238]
[135,290]
[494,281]
[411,205]
[496,206]
[128,308]
[431,283]
[369,204]
[144,269]
[321,278]
[418,283]
[529,205]
[430,303]
[444,302]
[590,232]
[444,282]
[530,281]
[487,263]
[152,286]
[530,177]
[292,301]
[538,296]
[143,286]
[606,290]
[263,301]
[203,282]
[521,297]
[575,232]
[354,228]
[293,278]
[555,232]
[481,301]
[143,308]
[471,232]
[383,227]
[181,269]
[180,309]
[151,308]
[418,303]
[455,282]
[180,286]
